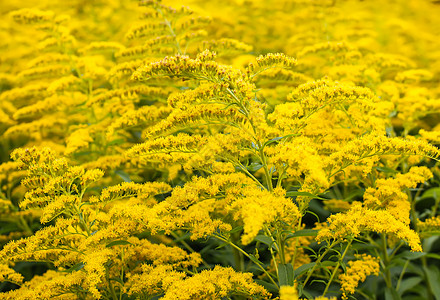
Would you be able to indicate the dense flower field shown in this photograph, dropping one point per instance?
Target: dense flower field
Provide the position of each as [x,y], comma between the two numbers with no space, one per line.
[228,149]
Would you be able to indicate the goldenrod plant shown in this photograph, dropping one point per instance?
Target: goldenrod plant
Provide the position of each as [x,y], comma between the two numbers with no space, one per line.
[219,150]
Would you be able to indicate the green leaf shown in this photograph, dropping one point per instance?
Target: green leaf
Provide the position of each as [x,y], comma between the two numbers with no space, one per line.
[433,255]
[415,298]
[386,170]
[117,243]
[303,232]
[182,237]
[433,277]
[408,284]
[9,227]
[428,234]
[305,194]
[302,291]
[254,259]
[269,286]
[410,255]
[315,206]
[276,139]
[265,240]
[431,193]
[76,267]
[285,274]
[391,294]
[236,229]
[304,268]
[273,140]
[309,249]
[222,245]
[421,290]
[354,194]
[124,176]
[255,166]
[117,280]
[307,294]
[116,142]
[429,242]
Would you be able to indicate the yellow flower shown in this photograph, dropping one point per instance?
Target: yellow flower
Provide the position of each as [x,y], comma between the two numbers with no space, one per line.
[259,208]
[152,280]
[288,293]
[48,286]
[8,274]
[389,193]
[429,225]
[357,272]
[214,284]
[27,15]
[360,219]
[94,265]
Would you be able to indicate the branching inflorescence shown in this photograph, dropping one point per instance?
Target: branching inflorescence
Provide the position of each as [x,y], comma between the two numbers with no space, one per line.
[184,155]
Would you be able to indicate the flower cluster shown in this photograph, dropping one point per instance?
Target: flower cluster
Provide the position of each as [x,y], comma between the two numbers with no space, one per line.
[150,150]
[357,272]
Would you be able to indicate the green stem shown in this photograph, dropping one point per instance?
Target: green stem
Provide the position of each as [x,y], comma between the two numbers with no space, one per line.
[317,263]
[254,260]
[239,164]
[336,268]
[396,249]
[187,246]
[435,207]
[386,261]
[266,170]
[296,242]
[122,274]
[81,220]
[401,275]
[239,103]
[425,267]
[25,225]
[238,256]
[280,247]
[413,212]
[280,178]
[238,260]
[112,289]
[269,234]
[170,28]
